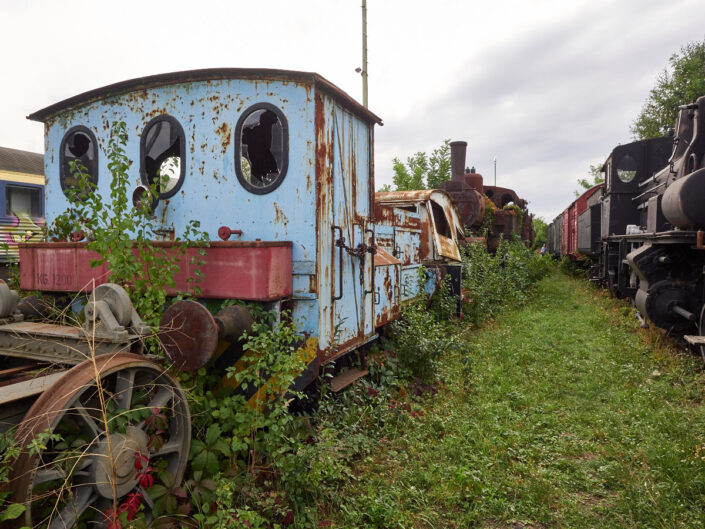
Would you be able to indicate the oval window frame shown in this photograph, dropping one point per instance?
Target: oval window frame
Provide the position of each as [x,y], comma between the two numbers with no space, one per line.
[620,171]
[285,148]
[62,160]
[182,153]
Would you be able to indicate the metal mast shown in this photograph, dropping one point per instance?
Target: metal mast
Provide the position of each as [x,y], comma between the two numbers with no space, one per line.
[364,53]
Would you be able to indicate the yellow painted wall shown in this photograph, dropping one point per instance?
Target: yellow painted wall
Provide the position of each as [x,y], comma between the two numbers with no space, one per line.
[22,178]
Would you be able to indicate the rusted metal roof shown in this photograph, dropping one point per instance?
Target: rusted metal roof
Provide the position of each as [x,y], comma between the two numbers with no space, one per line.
[402,198]
[18,161]
[399,197]
[208,74]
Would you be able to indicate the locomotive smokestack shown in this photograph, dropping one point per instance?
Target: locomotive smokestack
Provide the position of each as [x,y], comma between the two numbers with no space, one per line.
[458,150]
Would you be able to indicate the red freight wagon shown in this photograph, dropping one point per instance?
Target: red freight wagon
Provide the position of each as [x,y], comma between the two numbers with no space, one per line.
[569,226]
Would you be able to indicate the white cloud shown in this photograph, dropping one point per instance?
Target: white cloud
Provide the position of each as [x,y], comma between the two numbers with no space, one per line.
[549,87]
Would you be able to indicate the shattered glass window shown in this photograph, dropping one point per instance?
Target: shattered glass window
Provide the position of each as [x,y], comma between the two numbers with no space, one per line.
[261,148]
[79,162]
[626,169]
[162,150]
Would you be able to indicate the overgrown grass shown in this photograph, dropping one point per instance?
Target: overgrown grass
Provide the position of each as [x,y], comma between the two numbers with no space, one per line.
[561,413]
[298,481]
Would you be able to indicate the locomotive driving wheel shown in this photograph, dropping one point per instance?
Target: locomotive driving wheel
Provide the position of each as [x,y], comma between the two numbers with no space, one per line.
[98,440]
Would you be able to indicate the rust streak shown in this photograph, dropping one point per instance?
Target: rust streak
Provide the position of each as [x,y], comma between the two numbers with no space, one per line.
[279,216]
[225,137]
[165,208]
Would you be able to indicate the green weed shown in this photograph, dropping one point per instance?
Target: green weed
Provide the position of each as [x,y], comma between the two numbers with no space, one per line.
[574,418]
[492,282]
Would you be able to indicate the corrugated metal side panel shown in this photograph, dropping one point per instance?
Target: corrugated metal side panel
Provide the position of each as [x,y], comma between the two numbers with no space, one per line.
[14,230]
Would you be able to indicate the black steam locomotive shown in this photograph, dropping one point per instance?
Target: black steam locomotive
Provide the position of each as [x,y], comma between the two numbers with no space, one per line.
[645,236]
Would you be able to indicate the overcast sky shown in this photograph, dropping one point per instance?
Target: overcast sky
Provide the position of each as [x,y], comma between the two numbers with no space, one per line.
[548,87]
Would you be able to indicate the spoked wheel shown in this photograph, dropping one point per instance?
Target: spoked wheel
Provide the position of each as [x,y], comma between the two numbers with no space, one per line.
[97,439]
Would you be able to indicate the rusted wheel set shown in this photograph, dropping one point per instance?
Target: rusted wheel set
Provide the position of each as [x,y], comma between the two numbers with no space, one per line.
[94,435]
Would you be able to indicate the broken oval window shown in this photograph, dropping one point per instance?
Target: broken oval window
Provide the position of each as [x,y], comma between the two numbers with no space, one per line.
[626,169]
[78,173]
[163,155]
[261,148]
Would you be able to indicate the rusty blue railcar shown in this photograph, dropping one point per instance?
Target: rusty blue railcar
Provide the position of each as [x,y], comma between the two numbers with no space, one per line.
[277,166]
[312,185]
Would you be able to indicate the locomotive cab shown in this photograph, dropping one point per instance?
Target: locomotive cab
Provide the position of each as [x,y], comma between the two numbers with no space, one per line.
[278,164]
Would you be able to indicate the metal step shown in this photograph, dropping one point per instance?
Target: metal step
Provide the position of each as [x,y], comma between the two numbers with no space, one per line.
[345,379]
[695,340]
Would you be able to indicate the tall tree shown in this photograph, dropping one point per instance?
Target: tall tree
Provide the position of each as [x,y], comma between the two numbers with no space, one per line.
[410,176]
[422,171]
[439,166]
[541,231]
[596,177]
[680,83]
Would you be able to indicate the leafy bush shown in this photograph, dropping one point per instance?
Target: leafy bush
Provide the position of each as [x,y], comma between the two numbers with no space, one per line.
[492,281]
[9,450]
[421,337]
[574,267]
[255,442]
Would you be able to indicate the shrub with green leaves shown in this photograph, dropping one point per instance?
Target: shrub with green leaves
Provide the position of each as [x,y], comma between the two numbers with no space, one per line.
[576,267]
[249,438]
[122,233]
[421,337]
[492,281]
[9,450]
